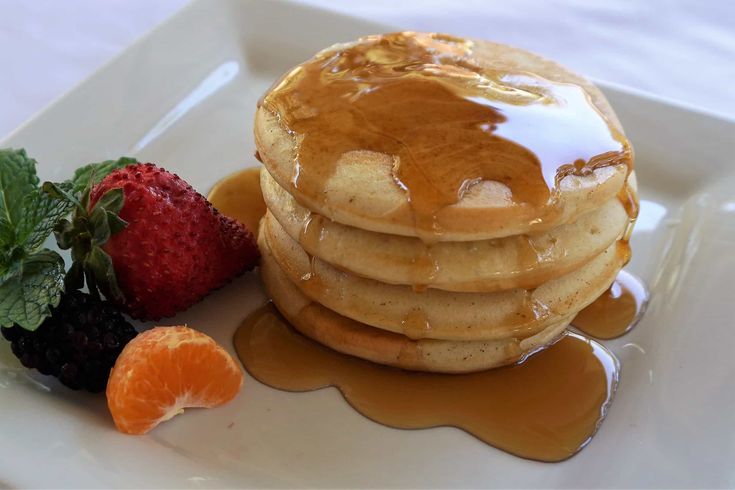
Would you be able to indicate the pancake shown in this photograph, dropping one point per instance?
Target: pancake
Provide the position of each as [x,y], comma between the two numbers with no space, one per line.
[418,155]
[353,338]
[442,314]
[523,261]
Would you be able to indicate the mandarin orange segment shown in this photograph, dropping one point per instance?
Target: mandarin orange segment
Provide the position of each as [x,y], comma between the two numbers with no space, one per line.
[164,370]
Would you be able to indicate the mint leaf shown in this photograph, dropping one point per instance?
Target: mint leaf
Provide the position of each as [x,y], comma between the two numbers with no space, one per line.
[93,173]
[41,213]
[62,192]
[27,215]
[17,180]
[31,280]
[28,287]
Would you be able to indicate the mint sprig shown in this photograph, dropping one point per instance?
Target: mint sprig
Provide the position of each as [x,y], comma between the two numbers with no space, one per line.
[41,213]
[31,277]
[29,287]
[18,180]
[31,280]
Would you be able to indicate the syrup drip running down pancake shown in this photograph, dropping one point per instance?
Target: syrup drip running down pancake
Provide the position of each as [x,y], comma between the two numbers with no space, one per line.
[519,261]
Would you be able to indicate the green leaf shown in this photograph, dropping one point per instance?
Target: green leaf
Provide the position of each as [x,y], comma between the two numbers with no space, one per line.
[7,233]
[100,226]
[29,287]
[74,278]
[31,280]
[63,192]
[93,173]
[116,223]
[112,200]
[41,213]
[104,219]
[99,264]
[84,235]
[64,233]
[17,180]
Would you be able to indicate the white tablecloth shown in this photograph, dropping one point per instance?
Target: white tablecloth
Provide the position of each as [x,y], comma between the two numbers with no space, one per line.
[680,49]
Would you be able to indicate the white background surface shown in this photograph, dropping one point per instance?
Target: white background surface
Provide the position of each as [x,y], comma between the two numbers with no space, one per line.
[680,49]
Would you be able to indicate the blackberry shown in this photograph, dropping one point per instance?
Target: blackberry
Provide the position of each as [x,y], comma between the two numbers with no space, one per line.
[78,343]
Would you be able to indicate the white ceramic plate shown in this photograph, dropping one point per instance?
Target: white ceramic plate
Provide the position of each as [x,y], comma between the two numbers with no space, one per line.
[184,97]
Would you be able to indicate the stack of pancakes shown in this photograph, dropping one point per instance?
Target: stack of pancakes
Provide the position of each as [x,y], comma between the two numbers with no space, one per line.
[439,204]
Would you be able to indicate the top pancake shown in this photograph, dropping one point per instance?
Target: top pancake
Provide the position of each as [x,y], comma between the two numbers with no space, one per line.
[441,138]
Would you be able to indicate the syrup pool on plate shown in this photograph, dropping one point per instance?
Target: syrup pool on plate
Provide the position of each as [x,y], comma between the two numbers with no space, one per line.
[238,196]
[546,408]
[616,311]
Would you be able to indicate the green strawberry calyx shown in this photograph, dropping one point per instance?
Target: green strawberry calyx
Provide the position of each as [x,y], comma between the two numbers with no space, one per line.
[89,228]
[84,234]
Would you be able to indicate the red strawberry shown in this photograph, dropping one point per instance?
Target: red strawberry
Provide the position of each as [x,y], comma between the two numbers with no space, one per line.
[174,249]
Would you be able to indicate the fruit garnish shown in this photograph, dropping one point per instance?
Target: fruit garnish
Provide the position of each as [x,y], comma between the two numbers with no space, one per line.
[31,277]
[167,245]
[148,241]
[79,343]
[164,370]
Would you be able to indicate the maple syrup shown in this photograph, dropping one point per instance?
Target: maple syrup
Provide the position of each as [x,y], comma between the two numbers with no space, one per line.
[546,408]
[424,266]
[239,196]
[617,311]
[535,259]
[449,124]
[446,121]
